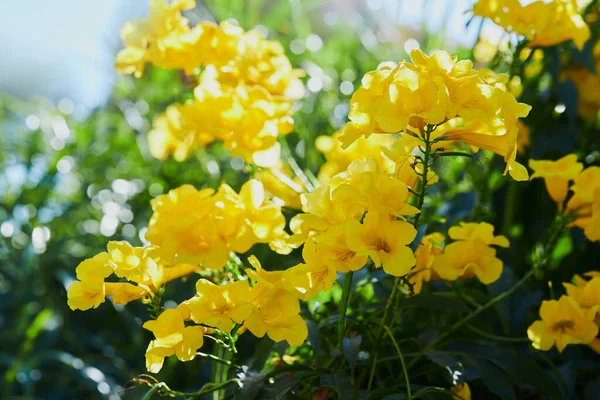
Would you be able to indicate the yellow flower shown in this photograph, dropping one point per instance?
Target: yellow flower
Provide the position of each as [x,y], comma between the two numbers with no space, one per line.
[137,264]
[338,159]
[280,183]
[89,292]
[432,90]
[313,275]
[542,23]
[468,258]
[585,293]
[335,251]
[266,282]
[563,322]
[477,231]
[497,135]
[277,316]
[463,391]
[585,202]
[172,338]
[557,175]
[592,229]
[425,255]
[198,226]
[165,39]
[178,132]
[220,306]
[384,241]
[523,137]
[123,292]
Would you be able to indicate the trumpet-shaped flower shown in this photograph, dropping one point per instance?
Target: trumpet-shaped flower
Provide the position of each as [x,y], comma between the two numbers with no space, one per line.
[467,259]
[313,275]
[426,253]
[385,241]
[463,391]
[562,323]
[172,338]
[220,306]
[277,316]
[543,23]
[477,231]
[335,251]
[585,293]
[557,175]
[89,292]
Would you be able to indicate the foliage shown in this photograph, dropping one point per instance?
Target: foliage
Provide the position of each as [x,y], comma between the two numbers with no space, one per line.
[461,315]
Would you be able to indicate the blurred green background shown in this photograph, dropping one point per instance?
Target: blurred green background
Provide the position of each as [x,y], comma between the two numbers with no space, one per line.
[75,170]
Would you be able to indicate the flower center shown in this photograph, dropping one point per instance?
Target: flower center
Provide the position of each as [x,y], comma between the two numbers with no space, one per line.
[563,325]
[381,244]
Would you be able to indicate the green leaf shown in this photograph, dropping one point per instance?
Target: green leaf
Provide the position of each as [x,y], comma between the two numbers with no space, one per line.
[494,378]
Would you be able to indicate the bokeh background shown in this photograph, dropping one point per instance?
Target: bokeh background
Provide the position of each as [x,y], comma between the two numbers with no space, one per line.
[75,170]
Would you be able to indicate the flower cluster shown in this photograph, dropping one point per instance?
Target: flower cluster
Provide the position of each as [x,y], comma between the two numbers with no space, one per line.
[204,226]
[438,89]
[572,319]
[543,23]
[145,268]
[245,88]
[469,255]
[584,204]
[359,215]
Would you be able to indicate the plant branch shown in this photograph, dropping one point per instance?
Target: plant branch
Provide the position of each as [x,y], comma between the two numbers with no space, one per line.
[408,392]
[343,307]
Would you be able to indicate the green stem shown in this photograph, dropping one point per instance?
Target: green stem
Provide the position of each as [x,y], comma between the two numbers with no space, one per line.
[495,337]
[206,389]
[408,392]
[420,202]
[343,307]
[472,315]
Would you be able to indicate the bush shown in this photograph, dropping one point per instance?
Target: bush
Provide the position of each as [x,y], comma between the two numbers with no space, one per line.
[262,247]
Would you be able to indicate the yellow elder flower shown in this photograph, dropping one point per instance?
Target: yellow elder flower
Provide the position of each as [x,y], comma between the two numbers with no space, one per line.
[178,132]
[468,258]
[592,229]
[123,292]
[425,255]
[585,293]
[277,316]
[432,90]
[385,241]
[220,306]
[463,391]
[280,183]
[172,338]
[557,175]
[313,275]
[83,295]
[338,159]
[89,292]
[562,323]
[137,264]
[586,201]
[381,190]
[198,226]
[164,39]
[499,135]
[335,251]
[481,232]
[543,23]
[523,137]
